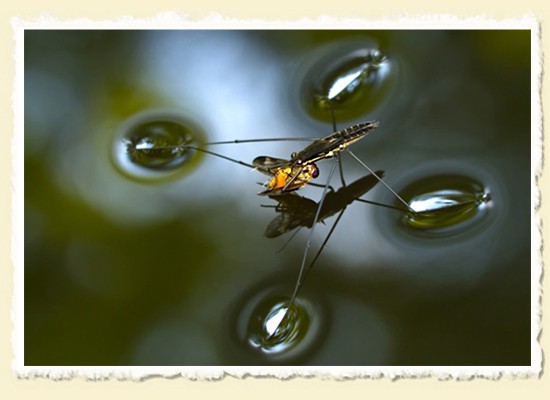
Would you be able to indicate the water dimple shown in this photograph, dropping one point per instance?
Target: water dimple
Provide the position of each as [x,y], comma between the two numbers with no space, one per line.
[444,205]
[156,146]
[275,329]
[271,332]
[352,83]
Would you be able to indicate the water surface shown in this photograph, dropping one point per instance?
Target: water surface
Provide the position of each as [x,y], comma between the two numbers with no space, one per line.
[158,257]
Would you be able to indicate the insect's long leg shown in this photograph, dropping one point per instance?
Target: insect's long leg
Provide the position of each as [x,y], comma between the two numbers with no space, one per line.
[381,181]
[308,245]
[375,203]
[292,179]
[332,228]
[342,179]
[341,169]
[334,129]
[221,156]
[237,141]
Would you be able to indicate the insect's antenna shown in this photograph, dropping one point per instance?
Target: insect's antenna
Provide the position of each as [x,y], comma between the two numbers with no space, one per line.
[220,156]
[382,182]
[308,245]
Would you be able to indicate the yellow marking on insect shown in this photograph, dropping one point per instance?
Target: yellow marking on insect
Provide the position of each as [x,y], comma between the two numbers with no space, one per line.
[280,178]
[283,181]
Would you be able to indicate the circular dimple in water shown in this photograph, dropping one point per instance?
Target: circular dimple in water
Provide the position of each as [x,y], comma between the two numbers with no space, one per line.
[275,328]
[275,332]
[444,205]
[353,80]
[156,146]
[450,239]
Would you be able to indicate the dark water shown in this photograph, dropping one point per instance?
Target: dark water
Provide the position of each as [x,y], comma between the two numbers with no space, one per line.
[140,252]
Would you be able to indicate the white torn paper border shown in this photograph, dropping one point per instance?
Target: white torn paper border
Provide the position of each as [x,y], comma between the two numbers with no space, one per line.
[178,21]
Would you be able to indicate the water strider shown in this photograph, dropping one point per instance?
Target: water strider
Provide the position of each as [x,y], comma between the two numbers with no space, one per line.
[301,166]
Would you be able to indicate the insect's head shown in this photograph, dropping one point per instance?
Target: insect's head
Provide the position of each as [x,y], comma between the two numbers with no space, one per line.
[313,170]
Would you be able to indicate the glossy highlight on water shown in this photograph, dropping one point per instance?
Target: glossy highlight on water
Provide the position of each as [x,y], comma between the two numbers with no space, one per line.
[444,205]
[351,82]
[156,146]
[274,328]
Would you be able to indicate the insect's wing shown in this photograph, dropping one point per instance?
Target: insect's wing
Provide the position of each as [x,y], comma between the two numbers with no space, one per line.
[267,165]
[317,150]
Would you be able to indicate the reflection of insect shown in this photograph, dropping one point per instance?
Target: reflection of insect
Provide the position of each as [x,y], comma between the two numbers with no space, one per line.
[296,211]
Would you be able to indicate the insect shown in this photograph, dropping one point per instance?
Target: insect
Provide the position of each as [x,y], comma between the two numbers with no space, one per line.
[286,176]
[293,174]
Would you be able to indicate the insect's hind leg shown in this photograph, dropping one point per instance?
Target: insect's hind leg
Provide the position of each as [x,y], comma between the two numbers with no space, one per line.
[233,160]
[333,116]
[300,280]
[332,228]
[340,165]
[381,181]
[341,169]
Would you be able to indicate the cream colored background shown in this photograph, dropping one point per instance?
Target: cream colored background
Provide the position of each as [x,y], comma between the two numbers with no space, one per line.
[281,10]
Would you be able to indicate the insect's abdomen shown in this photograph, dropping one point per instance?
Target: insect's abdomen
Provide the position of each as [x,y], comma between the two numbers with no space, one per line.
[337,141]
[353,133]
